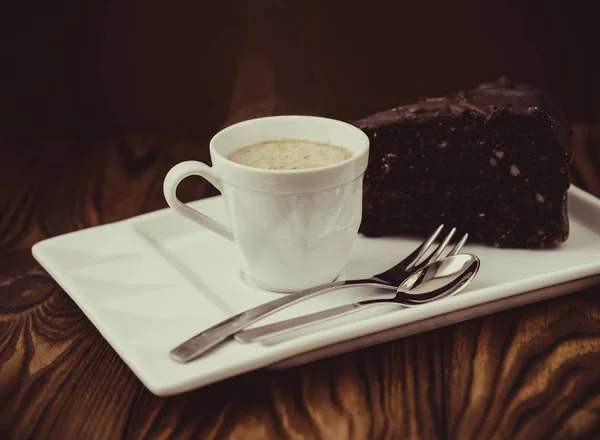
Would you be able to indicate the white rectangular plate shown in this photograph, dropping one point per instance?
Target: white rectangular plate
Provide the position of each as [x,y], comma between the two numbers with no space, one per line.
[150,282]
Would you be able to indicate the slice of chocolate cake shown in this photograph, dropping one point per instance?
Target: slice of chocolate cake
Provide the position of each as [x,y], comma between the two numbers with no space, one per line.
[493,161]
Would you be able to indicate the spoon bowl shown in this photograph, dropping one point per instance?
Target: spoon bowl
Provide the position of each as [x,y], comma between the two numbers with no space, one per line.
[442,279]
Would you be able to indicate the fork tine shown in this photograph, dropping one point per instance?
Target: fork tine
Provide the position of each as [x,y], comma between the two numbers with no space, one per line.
[412,259]
[433,257]
[458,246]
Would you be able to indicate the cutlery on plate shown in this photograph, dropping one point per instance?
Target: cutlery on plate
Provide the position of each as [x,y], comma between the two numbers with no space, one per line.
[389,279]
[441,279]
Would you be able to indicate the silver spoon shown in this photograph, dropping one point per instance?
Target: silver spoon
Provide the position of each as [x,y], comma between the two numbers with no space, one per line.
[441,279]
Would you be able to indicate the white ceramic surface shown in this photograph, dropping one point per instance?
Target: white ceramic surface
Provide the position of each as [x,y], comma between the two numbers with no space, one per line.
[293,229]
[150,282]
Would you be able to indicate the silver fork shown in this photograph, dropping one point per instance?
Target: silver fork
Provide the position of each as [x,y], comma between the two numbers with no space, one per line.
[389,279]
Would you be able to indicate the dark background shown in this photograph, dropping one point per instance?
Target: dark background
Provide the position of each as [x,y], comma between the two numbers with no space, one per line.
[191,67]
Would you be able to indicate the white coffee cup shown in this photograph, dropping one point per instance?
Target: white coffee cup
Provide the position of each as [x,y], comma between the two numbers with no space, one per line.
[294,229]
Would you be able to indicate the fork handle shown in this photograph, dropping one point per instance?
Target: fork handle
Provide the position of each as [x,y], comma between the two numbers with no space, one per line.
[204,341]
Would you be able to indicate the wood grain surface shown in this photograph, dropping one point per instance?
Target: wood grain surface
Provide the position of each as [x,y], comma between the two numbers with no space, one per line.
[528,373]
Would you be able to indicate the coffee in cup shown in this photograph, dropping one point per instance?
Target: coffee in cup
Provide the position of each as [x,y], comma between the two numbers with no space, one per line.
[290,154]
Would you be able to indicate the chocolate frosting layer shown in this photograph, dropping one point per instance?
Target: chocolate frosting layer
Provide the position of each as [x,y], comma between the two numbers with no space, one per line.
[482,104]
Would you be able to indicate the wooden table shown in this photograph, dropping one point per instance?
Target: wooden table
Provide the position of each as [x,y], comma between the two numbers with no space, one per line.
[528,373]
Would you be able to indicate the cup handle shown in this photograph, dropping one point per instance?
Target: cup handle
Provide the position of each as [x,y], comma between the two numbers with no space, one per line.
[174,178]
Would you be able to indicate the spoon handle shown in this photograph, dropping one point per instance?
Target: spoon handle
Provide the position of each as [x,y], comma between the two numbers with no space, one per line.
[278,328]
[282,327]
[206,340]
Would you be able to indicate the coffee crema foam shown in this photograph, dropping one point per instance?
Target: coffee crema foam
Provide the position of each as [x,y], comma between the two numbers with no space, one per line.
[289,154]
